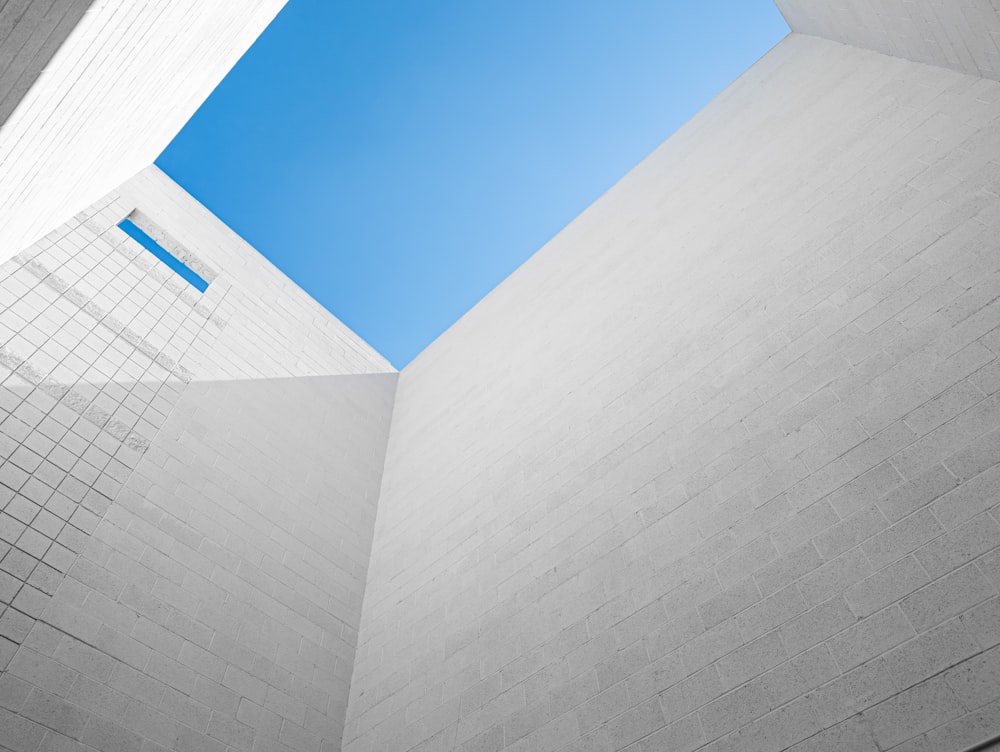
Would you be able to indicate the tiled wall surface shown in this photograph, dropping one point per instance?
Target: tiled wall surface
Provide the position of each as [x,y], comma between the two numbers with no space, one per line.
[188,493]
[215,605]
[962,35]
[717,469]
[124,82]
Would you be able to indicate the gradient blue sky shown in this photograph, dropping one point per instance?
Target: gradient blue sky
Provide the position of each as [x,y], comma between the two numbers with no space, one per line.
[399,158]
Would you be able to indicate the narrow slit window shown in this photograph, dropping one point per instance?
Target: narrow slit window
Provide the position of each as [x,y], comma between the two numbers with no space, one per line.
[190,275]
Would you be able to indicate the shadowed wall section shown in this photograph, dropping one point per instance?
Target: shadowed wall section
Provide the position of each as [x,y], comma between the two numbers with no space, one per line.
[963,36]
[31,31]
[716,468]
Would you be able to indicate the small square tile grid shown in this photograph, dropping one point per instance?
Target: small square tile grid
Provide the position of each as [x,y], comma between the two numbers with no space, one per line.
[187,493]
[90,373]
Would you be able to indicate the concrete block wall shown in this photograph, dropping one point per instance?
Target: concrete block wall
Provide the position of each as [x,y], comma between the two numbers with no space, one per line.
[125,80]
[964,36]
[186,510]
[717,468]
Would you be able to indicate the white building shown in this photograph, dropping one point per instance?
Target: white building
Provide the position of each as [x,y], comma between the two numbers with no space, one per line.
[717,469]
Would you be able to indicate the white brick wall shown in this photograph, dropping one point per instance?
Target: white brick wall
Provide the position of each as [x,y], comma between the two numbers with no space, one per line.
[717,468]
[188,488]
[964,36]
[122,85]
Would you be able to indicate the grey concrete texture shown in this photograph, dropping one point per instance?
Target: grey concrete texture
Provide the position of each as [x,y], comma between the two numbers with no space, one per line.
[31,32]
[717,468]
[962,35]
[186,510]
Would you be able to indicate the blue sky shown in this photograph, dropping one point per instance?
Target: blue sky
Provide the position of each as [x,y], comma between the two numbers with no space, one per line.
[398,159]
